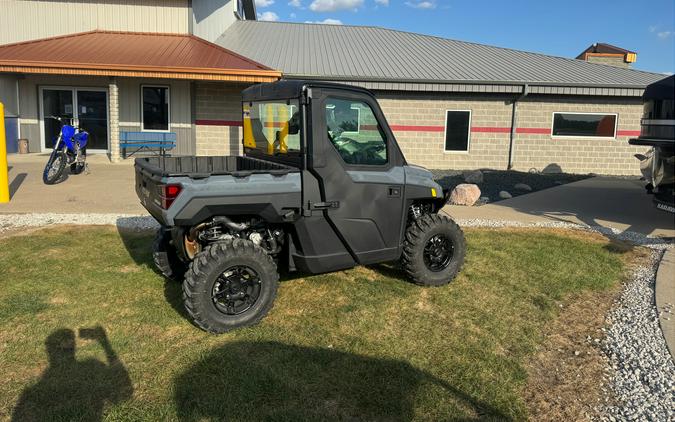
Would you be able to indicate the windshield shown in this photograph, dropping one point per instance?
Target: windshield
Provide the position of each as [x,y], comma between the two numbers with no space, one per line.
[272,127]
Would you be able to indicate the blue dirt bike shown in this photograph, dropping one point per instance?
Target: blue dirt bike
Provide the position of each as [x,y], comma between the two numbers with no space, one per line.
[69,149]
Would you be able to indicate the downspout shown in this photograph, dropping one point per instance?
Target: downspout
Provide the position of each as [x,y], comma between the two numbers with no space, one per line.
[514,122]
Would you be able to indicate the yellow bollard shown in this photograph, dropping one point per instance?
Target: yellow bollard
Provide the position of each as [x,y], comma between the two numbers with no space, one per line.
[4,176]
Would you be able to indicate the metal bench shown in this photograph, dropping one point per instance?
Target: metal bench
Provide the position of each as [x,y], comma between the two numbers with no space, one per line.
[148,141]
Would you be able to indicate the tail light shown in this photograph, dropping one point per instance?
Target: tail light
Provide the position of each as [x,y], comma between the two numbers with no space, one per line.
[168,194]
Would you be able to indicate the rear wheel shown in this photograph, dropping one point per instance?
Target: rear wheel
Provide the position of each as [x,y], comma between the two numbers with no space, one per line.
[166,258]
[433,250]
[54,168]
[229,285]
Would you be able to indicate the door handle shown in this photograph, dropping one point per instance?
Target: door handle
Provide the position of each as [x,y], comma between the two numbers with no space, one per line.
[394,191]
[325,205]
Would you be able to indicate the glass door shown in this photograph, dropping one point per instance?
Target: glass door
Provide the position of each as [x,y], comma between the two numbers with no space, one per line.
[92,116]
[83,107]
[59,103]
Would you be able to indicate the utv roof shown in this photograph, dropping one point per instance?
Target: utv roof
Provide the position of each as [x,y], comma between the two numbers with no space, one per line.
[661,90]
[292,88]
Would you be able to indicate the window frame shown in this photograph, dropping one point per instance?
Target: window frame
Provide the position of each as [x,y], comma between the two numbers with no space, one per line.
[594,113]
[381,130]
[168,109]
[468,135]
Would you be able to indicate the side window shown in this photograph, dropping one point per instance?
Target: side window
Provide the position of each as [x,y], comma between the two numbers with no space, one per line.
[354,132]
[272,127]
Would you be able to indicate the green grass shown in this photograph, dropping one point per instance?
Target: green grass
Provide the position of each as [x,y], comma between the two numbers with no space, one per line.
[360,344]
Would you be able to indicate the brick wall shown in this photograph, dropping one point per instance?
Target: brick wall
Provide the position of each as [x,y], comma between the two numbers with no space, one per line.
[418,121]
[217,115]
[491,123]
[426,147]
[617,61]
[578,155]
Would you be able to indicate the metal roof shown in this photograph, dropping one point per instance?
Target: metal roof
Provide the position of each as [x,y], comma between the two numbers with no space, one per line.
[108,53]
[379,58]
[604,48]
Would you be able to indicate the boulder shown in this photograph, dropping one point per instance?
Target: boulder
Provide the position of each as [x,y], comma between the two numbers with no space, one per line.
[523,186]
[465,194]
[473,177]
[505,195]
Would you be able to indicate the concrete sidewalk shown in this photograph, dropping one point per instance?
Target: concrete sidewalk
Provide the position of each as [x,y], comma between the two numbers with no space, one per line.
[599,201]
[108,188]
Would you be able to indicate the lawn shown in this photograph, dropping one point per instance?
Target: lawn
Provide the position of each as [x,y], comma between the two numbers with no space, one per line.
[360,344]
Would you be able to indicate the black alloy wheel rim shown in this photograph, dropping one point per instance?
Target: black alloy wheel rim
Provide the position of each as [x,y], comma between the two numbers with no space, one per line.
[438,253]
[236,290]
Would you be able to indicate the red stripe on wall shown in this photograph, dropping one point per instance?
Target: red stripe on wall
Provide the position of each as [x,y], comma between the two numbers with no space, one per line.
[203,122]
[415,128]
[534,130]
[477,129]
[628,133]
[406,128]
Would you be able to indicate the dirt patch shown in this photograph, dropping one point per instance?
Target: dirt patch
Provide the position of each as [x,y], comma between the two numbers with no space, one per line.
[566,376]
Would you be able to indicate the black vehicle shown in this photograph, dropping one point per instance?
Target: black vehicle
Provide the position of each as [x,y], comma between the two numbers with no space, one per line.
[658,132]
[322,186]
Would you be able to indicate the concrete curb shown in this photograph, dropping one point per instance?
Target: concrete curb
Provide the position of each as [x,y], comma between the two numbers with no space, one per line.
[665,298]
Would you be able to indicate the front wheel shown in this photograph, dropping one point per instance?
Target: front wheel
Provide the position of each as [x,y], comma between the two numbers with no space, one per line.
[433,250]
[54,168]
[229,285]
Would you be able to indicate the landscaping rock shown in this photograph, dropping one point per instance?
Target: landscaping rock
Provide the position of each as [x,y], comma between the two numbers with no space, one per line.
[523,186]
[474,177]
[465,194]
[505,195]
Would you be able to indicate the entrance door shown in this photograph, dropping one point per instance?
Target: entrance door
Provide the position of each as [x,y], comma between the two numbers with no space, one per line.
[84,107]
[92,114]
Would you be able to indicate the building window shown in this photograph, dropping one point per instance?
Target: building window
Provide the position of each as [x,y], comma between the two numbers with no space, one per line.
[155,108]
[457,130]
[597,125]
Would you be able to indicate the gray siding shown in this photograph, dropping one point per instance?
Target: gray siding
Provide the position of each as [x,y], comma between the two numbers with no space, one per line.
[23,20]
[9,95]
[210,18]
[129,105]
[180,112]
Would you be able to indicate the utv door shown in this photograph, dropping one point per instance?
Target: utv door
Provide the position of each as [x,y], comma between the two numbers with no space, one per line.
[359,168]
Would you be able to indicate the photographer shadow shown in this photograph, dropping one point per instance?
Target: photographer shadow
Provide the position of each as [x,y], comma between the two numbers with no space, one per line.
[72,389]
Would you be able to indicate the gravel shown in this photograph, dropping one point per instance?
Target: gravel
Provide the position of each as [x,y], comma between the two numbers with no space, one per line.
[124,221]
[495,181]
[641,372]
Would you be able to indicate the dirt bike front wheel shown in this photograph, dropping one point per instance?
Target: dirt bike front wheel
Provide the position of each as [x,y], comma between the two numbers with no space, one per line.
[54,168]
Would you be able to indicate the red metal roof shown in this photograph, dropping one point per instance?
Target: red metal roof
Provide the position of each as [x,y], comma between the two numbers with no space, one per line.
[132,54]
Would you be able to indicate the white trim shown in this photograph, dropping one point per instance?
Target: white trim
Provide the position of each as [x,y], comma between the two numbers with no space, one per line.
[168,108]
[616,125]
[468,135]
[76,114]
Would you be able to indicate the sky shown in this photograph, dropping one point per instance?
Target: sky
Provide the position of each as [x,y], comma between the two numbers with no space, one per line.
[556,28]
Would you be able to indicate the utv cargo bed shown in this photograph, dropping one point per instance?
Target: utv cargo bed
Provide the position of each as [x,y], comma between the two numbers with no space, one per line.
[189,190]
[201,167]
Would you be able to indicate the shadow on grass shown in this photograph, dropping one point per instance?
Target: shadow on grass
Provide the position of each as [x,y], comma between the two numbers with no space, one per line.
[275,381]
[139,246]
[71,389]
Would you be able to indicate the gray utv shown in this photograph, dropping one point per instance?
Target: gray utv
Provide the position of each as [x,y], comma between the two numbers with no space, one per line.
[322,186]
